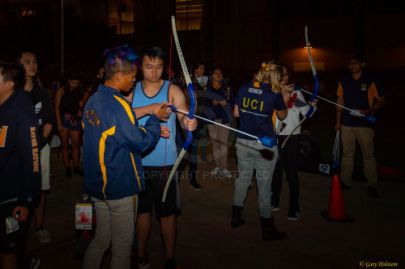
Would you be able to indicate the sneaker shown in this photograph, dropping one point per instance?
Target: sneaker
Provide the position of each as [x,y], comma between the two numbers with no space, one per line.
[35,263]
[293,215]
[43,236]
[372,192]
[215,171]
[225,173]
[196,186]
[77,171]
[143,263]
[324,168]
[170,264]
[68,172]
[275,208]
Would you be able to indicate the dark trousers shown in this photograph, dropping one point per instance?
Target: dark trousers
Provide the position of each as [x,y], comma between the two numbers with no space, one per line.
[192,152]
[287,160]
[193,156]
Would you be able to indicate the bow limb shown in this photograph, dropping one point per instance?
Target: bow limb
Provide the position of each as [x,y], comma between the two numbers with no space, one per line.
[311,110]
[193,104]
[314,74]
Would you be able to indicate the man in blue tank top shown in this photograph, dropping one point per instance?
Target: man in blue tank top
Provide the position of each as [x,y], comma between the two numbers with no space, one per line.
[158,162]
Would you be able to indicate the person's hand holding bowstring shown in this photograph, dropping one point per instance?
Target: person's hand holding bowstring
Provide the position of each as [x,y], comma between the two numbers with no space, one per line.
[161,111]
[313,103]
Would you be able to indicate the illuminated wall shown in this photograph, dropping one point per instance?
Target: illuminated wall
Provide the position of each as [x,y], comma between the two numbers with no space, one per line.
[121,16]
[189,14]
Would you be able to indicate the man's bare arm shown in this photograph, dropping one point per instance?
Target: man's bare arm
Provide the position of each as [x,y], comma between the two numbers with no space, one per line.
[178,99]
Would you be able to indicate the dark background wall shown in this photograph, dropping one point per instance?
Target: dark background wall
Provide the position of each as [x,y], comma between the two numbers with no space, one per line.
[236,35]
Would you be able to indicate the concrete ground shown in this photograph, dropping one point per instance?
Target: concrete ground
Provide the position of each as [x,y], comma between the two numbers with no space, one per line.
[206,240]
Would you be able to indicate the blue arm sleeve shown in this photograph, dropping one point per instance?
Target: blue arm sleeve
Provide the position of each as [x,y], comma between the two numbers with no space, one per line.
[137,139]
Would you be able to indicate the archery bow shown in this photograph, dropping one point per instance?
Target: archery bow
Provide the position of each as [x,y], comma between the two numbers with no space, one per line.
[264,140]
[190,114]
[369,118]
[314,94]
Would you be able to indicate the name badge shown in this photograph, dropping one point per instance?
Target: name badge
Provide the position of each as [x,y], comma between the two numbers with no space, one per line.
[84,216]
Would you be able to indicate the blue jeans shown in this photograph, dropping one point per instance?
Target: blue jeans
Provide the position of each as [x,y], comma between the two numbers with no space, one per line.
[254,156]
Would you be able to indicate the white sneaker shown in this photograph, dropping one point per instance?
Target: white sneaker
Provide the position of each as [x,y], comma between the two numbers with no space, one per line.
[293,215]
[215,171]
[225,173]
[144,264]
[275,208]
[35,263]
[324,168]
[43,236]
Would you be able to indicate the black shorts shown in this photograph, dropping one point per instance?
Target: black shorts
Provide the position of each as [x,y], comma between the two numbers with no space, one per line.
[73,123]
[155,182]
[13,243]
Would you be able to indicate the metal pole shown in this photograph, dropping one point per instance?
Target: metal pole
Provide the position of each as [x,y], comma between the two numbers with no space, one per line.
[62,38]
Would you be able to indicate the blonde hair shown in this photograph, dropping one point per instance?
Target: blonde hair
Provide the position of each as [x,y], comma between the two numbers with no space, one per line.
[270,73]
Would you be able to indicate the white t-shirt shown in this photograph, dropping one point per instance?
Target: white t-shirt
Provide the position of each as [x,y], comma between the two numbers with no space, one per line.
[202,81]
[299,106]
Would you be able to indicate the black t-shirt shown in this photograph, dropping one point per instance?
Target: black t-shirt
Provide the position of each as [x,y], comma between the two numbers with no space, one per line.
[19,156]
[70,102]
[358,94]
[42,106]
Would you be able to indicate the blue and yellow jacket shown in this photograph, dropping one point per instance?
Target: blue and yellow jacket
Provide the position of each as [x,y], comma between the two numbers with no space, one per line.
[113,144]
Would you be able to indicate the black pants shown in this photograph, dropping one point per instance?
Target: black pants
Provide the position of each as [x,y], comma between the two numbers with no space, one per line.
[193,153]
[155,182]
[13,243]
[287,160]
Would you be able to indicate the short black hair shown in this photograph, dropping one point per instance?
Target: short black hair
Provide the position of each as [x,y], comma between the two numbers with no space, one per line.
[14,73]
[154,52]
[198,64]
[20,54]
[73,74]
[356,57]
[119,59]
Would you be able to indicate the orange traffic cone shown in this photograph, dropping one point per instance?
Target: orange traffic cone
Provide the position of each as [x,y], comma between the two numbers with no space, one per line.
[337,209]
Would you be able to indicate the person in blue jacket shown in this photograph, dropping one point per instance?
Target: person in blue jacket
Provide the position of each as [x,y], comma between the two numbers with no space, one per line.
[113,144]
[219,103]
[20,176]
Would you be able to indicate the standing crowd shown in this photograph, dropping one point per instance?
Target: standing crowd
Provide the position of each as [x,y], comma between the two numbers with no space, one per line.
[130,137]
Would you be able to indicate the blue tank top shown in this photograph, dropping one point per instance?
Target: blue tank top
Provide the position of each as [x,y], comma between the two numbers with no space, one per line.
[165,152]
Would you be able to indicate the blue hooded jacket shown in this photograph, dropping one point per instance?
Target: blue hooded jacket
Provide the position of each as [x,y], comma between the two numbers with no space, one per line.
[113,144]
